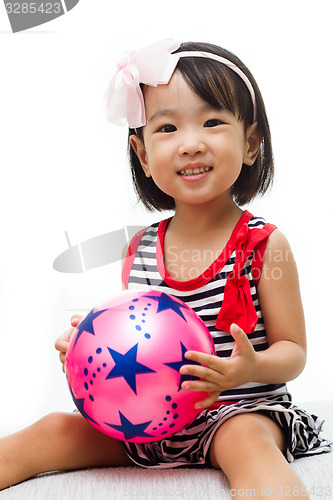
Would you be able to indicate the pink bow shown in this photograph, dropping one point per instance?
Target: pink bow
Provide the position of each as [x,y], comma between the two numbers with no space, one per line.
[153,65]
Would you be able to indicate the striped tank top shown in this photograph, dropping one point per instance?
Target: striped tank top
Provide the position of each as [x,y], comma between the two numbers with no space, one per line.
[212,294]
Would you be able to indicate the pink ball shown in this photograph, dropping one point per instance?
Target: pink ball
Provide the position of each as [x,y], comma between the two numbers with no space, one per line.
[123,366]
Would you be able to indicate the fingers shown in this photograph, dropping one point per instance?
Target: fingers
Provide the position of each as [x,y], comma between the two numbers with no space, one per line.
[62,342]
[242,342]
[209,371]
[239,336]
[208,401]
[201,372]
[204,359]
[200,385]
[76,319]
[62,345]
[243,348]
[208,367]
[62,357]
[215,374]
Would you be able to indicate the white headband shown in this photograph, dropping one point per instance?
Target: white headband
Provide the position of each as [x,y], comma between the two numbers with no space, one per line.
[153,65]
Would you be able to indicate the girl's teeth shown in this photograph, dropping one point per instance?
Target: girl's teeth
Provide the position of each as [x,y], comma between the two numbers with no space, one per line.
[191,171]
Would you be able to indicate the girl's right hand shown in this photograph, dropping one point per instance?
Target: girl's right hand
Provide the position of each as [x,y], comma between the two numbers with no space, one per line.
[62,342]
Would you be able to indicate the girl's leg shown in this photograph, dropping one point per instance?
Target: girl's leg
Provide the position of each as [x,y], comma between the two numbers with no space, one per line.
[249,449]
[59,441]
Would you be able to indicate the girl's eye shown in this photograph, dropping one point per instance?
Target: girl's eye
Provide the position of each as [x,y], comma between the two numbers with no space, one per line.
[214,122]
[167,128]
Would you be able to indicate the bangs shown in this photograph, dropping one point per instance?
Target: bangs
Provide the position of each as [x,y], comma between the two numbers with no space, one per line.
[217,84]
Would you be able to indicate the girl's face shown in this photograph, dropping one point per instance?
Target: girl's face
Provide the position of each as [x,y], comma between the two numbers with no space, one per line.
[193,152]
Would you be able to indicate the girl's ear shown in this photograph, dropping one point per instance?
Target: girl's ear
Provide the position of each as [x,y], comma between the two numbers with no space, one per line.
[252,144]
[140,151]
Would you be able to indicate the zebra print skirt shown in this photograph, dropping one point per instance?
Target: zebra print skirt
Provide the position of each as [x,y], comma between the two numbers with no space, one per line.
[190,447]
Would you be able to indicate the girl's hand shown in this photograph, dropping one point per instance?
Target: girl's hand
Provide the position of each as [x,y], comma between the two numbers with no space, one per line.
[220,374]
[62,342]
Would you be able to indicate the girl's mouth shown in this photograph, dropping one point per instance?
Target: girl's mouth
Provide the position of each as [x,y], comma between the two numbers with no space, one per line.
[194,171]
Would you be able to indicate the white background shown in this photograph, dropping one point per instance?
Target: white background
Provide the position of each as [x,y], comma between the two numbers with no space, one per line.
[64,168]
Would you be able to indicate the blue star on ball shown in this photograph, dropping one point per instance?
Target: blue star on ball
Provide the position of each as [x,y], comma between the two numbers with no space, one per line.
[127,366]
[129,429]
[176,365]
[87,324]
[166,302]
[79,403]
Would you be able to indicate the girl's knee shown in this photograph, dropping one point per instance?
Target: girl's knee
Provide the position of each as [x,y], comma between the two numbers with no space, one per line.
[244,435]
[58,426]
[56,420]
[85,445]
[67,431]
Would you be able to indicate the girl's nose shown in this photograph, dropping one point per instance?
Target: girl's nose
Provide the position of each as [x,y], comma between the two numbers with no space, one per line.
[191,144]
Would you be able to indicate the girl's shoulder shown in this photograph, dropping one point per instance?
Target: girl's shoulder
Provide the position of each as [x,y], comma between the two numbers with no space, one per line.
[278,250]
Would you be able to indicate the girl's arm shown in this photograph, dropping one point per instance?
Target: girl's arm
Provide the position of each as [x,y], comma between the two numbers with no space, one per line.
[281,306]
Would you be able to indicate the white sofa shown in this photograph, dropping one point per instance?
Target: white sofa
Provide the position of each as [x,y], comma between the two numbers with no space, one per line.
[195,484]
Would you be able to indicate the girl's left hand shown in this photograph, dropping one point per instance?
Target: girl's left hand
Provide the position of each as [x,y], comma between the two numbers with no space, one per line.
[220,374]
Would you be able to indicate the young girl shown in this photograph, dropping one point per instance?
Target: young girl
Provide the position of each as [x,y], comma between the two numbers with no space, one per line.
[200,145]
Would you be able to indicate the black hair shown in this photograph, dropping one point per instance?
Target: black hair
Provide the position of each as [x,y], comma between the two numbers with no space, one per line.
[221,87]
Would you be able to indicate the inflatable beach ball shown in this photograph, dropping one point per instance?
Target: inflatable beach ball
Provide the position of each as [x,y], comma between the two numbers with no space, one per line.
[123,365]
